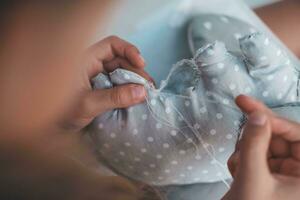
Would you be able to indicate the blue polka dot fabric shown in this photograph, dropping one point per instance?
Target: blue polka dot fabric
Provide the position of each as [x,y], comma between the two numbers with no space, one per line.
[186,130]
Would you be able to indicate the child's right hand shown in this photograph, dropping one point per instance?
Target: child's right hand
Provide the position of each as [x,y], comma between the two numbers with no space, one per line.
[105,56]
[266,164]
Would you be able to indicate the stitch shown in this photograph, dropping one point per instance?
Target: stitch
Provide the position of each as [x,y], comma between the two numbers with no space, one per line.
[188,127]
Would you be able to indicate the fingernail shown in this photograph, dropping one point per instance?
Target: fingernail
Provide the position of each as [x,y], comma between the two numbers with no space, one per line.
[258,119]
[138,92]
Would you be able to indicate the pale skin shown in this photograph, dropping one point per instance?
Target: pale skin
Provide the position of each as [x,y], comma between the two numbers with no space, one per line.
[31,114]
[104,57]
[258,175]
[46,99]
[266,163]
[283,19]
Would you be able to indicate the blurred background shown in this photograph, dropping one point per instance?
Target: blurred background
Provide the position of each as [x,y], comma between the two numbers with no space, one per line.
[164,22]
[141,10]
[157,27]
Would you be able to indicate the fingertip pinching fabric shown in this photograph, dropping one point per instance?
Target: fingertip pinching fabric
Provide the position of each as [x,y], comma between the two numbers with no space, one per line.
[186,130]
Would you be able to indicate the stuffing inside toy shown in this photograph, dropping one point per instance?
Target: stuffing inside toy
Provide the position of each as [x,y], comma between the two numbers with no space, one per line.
[187,129]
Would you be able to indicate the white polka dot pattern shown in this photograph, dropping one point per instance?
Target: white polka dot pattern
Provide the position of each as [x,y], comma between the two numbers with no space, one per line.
[186,130]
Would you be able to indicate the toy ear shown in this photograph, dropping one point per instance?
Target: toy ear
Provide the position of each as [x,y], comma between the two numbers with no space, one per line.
[261,53]
[211,55]
[183,75]
[205,29]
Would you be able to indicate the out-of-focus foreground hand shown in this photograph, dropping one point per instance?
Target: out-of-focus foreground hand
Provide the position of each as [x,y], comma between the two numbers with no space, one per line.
[105,56]
[266,164]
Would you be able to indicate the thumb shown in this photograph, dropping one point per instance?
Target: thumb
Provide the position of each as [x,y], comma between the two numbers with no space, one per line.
[102,100]
[254,147]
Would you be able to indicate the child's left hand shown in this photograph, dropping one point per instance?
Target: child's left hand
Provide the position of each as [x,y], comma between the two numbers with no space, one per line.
[105,56]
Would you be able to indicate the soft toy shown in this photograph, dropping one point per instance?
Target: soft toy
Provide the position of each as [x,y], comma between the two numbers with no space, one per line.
[186,130]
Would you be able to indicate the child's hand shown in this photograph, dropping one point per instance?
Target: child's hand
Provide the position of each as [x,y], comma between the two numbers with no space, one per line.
[266,164]
[283,150]
[105,56]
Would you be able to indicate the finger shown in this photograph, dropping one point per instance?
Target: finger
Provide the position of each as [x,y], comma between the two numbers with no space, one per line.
[290,167]
[120,62]
[112,47]
[93,66]
[275,164]
[99,101]
[249,105]
[254,147]
[279,147]
[286,129]
[233,163]
[295,150]
[231,194]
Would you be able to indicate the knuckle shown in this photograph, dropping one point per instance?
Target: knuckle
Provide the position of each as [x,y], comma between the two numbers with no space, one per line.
[132,48]
[232,160]
[229,164]
[229,161]
[130,96]
[116,97]
[113,38]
